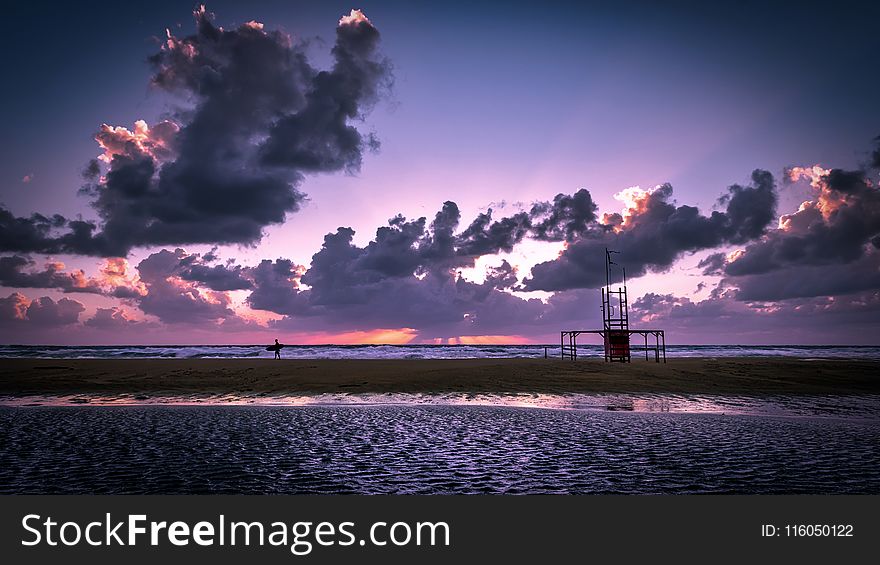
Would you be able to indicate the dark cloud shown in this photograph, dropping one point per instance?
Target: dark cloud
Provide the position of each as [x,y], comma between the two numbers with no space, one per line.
[52,276]
[875,155]
[13,308]
[258,118]
[17,311]
[834,228]
[217,277]
[394,252]
[566,218]
[713,264]
[853,319]
[804,281]
[113,318]
[826,248]
[485,237]
[319,136]
[40,234]
[407,276]
[47,312]
[654,234]
[92,170]
[172,299]
[437,247]
[276,287]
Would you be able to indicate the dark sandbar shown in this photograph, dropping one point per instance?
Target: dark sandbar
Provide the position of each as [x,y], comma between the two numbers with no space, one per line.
[262,377]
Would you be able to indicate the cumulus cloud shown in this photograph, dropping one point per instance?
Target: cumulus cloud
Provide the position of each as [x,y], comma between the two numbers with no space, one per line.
[844,320]
[52,275]
[113,318]
[319,137]
[653,233]
[276,286]
[16,310]
[875,155]
[804,281]
[39,233]
[566,218]
[829,246]
[257,117]
[835,227]
[406,277]
[114,278]
[173,299]
[486,237]
[217,277]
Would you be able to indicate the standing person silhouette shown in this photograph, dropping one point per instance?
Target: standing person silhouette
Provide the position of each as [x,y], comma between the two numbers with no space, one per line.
[277,349]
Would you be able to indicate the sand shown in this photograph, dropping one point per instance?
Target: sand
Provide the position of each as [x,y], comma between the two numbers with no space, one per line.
[147,378]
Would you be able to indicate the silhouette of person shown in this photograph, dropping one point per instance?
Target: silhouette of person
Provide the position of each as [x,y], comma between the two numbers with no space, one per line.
[277,349]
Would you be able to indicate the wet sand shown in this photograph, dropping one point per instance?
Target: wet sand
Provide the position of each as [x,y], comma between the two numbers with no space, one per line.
[406,449]
[145,378]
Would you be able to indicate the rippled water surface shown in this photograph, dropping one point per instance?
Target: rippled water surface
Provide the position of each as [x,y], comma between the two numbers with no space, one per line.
[428,449]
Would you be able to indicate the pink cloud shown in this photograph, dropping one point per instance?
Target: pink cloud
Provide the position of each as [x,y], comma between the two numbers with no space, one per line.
[156,142]
[354,18]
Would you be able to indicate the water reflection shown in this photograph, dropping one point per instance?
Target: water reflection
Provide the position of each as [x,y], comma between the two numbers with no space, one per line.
[862,406]
[429,449]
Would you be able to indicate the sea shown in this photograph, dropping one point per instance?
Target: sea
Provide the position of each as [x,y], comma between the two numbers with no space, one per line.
[415,351]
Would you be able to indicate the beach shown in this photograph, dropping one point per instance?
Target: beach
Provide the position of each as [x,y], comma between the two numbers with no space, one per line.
[457,426]
[145,378]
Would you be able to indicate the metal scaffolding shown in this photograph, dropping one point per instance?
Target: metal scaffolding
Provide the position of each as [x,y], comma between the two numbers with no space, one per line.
[616,333]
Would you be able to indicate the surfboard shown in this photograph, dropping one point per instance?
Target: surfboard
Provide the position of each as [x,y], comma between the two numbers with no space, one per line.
[275,347]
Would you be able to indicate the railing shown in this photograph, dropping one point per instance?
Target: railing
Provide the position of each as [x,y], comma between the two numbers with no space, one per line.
[568,344]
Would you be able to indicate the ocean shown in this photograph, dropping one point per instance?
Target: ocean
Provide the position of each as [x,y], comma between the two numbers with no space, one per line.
[414,351]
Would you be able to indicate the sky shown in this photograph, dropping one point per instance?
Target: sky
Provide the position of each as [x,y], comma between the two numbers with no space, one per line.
[415,172]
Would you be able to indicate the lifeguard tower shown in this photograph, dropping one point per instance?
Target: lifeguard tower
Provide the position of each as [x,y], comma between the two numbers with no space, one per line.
[616,333]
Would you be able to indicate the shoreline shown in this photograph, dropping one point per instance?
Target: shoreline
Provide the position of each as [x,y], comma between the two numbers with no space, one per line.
[266,378]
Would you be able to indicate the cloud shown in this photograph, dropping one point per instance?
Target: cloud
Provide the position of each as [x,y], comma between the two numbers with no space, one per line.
[875,155]
[120,280]
[113,318]
[13,308]
[319,137]
[652,234]
[276,286]
[52,276]
[804,281]
[17,311]
[566,218]
[835,227]
[217,277]
[157,142]
[114,279]
[256,118]
[723,319]
[713,264]
[47,312]
[485,237]
[173,299]
[38,233]
[406,277]
[829,246]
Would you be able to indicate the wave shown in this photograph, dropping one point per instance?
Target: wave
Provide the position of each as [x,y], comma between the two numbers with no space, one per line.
[414,351]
